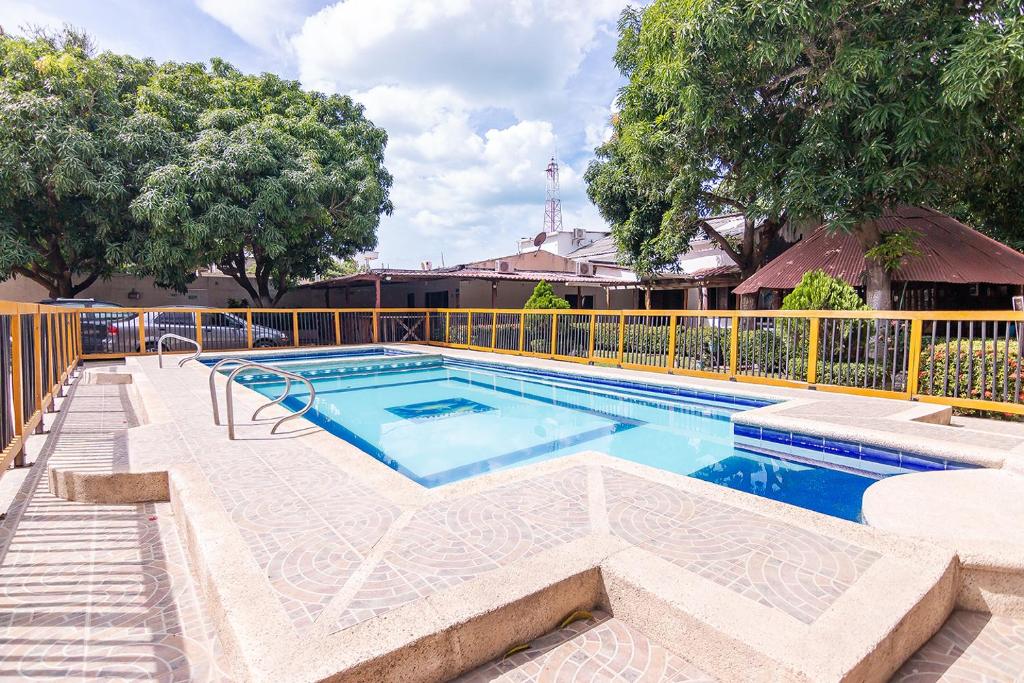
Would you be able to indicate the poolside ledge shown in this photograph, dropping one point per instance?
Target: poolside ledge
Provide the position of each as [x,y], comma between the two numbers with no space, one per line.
[977,513]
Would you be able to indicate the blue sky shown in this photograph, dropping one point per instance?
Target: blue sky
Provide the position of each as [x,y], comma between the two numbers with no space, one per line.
[475,94]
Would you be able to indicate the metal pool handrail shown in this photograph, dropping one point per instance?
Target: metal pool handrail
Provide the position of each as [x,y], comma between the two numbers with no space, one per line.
[170,335]
[247,363]
[276,371]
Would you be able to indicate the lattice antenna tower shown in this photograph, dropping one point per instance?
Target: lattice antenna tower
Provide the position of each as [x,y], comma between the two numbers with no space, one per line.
[552,199]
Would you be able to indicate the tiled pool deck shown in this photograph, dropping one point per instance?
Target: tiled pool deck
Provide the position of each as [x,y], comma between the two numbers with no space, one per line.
[340,549]
[91,592]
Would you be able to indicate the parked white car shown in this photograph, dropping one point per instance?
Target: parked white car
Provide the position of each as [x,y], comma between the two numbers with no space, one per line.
[220,331]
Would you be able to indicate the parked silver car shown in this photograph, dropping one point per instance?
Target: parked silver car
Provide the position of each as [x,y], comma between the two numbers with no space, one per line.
[220,331]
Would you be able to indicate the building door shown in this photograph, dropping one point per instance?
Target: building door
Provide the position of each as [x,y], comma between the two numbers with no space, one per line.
[437,299]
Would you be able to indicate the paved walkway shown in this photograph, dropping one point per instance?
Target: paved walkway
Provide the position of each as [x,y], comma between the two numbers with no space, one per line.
[598,649]
[91,592]
[970,648]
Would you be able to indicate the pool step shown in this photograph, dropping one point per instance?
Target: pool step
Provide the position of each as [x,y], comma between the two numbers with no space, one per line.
[596,648]
[971,646]
[346,367]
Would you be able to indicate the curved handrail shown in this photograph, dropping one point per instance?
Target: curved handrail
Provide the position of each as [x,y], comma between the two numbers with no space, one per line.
[247,363]
[278,371]
[171,335]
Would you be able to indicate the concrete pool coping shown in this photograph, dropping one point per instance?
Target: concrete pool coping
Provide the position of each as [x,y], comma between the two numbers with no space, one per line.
[864,635]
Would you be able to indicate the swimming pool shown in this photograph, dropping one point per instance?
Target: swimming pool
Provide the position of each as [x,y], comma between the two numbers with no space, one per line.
[437,420]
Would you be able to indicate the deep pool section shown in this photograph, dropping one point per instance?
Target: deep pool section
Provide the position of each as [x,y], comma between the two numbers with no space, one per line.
[438,421]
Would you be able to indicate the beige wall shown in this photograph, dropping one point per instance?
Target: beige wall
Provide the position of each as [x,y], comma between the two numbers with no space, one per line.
[464,294]
[205,291]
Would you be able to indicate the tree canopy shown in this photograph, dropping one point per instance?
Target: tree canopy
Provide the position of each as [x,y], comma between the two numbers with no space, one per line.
[111,163]
[271,175]
[791,111]
[73,151]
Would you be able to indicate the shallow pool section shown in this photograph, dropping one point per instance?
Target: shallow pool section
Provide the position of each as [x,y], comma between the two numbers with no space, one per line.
[437,421]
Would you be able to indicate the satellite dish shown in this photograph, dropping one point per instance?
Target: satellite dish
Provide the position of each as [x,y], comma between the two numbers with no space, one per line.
[539,239]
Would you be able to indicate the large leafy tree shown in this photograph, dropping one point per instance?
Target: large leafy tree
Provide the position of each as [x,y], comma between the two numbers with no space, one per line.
[673,160]
[273,185]
[790,110]
[985,75]
[73,150]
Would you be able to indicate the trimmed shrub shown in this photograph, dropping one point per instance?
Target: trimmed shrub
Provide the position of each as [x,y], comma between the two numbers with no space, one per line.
[984,371]
[544,297]
[819,291]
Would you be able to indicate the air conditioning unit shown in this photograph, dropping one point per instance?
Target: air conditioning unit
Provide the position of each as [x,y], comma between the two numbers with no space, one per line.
[504,267]
[579,234]
[584,268]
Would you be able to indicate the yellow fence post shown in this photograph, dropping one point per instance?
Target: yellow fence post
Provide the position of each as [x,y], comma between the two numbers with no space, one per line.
[522,331]
[447,327]
[37,339]
[554,333]
[593,331]
[199,328]
[51,358]
[494,329]
[469,328]
[337,328]
[426,326]
[734,345]
[16,387]
[376,326]
[914,362]
[813,334]
[622,335]
[69,342]
[248,328]
[295,327]
[672,321]
[142,330]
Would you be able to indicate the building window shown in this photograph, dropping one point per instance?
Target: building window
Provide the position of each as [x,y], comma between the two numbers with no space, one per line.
[436,299]
[410,300]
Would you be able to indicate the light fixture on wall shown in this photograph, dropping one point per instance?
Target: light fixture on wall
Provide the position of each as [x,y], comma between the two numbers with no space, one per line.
[134,294]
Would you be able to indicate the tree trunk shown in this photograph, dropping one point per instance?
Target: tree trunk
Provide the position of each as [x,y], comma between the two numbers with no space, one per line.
[62,288]
[878,286]
[877,280]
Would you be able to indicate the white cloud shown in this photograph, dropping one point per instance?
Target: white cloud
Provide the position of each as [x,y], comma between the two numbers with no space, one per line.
[266,24]
[16,15]
[513,53]
[434,74]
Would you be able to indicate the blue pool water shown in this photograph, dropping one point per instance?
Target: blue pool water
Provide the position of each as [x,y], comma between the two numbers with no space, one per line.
[437,421]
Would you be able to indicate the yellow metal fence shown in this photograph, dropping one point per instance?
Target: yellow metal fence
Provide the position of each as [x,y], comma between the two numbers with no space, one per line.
[968,359]
[40,346]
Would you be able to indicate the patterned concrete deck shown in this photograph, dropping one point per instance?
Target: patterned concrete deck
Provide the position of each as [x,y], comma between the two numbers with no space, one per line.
[599,649]
[970,648]
[104,591]
[96,592]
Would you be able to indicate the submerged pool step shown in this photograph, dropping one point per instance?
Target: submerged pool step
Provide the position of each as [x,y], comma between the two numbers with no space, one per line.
[346,367]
